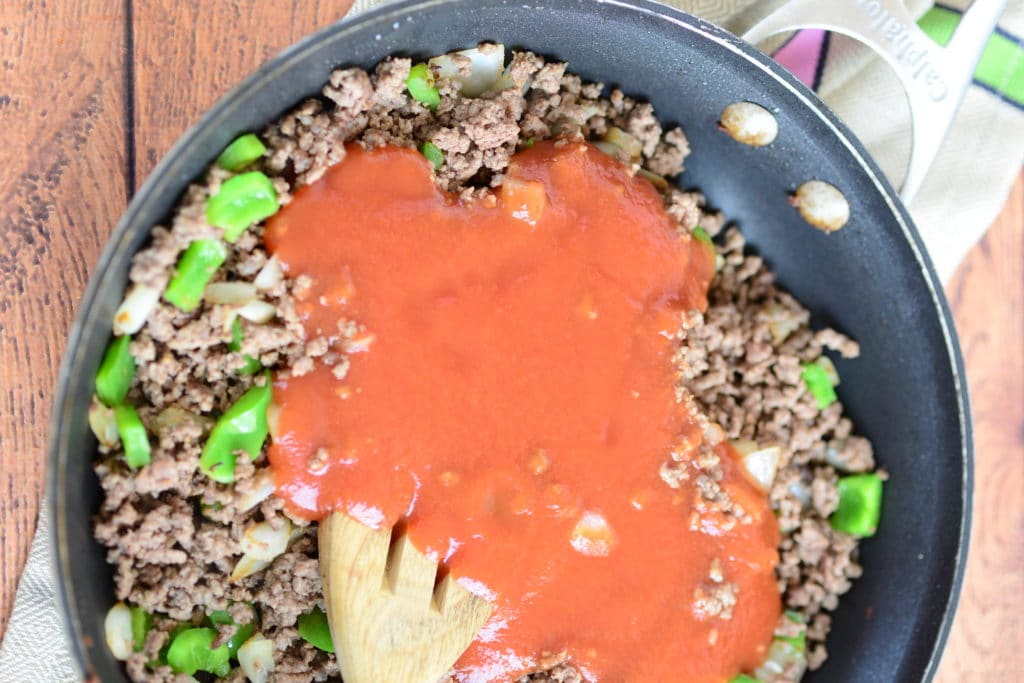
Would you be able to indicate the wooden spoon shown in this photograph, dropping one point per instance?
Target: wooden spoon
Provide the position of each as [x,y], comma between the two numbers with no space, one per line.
[388,621]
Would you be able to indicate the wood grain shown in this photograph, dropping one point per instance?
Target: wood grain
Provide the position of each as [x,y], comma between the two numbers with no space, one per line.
[987,295]
[62,188]
[176,80]
[68,162]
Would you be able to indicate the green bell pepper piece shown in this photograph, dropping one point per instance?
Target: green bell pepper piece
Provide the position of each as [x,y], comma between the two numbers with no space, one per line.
[241,152]
[116,371]
[196,266]
[860,505]
[701,235]
[314,629]
[242,427]
[242,633]
[142,624]
[422,86]
[819,383]
[133,436]
[252,365]
[242,201]
[433,154]
[192,650]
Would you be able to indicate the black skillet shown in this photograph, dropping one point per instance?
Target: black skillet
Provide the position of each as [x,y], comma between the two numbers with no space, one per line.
[872,279]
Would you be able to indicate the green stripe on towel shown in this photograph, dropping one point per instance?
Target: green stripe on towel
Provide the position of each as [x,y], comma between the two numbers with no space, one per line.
[1002,63]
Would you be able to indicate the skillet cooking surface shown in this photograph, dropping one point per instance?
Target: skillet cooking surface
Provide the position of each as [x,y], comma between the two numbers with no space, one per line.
[870,280]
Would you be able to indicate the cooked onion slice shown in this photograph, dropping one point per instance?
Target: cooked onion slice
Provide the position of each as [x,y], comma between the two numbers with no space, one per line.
[261,488]
[258,312]
[247,566]
[270,275]
[655,179]
[487,62]
[593,536]
[137,305]
[273,419]
[117,627]
[230,293]
[263,541]
[782,322]
[256,657]
[173,416]
[626,142]
[103,424]
[782,656]
[611,150]
[761,463]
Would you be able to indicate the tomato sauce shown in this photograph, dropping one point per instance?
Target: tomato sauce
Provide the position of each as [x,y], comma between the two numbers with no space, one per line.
[511,400]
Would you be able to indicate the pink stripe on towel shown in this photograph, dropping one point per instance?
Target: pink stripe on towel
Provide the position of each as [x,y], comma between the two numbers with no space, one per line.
[802,54]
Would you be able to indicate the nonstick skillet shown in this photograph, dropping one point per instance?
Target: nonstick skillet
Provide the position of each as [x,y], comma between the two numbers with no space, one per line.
[872,280]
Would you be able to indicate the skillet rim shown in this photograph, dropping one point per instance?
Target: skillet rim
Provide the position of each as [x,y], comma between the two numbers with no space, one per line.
[59,448]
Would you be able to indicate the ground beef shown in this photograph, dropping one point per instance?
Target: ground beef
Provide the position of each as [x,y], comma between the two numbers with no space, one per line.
[174,536]
[743,367]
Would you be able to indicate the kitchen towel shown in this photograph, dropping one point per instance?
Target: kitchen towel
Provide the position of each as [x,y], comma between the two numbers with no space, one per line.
[962,194]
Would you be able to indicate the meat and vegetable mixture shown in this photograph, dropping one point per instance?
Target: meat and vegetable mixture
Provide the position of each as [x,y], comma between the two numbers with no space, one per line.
[216,569]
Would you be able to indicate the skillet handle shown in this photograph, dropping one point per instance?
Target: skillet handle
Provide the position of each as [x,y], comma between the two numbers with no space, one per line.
[934,78]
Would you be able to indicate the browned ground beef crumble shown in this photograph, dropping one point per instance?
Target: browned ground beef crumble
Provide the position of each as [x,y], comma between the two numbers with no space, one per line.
[173,534]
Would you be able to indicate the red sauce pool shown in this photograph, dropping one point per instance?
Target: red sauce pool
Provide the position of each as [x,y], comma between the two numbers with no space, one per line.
[511,398]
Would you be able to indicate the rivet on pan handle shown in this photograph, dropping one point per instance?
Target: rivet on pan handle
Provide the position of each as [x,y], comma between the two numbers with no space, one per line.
[935,78]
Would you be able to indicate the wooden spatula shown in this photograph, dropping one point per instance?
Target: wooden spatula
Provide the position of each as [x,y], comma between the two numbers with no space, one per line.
[388,621]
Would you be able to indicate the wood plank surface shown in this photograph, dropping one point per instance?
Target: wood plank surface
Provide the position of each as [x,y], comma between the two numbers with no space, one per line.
[62,188]
[176,80]
[73,73]
[987,296]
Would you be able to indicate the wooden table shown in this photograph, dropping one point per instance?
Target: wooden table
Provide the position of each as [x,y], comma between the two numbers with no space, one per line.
[93,92]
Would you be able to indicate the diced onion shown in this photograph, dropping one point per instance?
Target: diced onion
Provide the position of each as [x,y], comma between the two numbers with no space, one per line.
[525,200]
[743,446]
[270,275]
[137,305]
[258,312]
[832,449]
[117,627]
[505,81]
[781,322]
[656,180]
[487,62]
[103,424]
[761,463]
[263,541]
[611,150]
[593,536]
[830,369]
[443,66]
[261,488]
[799,490]
[822,205]
[273,419]
[230,293]
[624,141]
[173,416]
[749,123]
[782,657]
[256,657]
[247,566]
